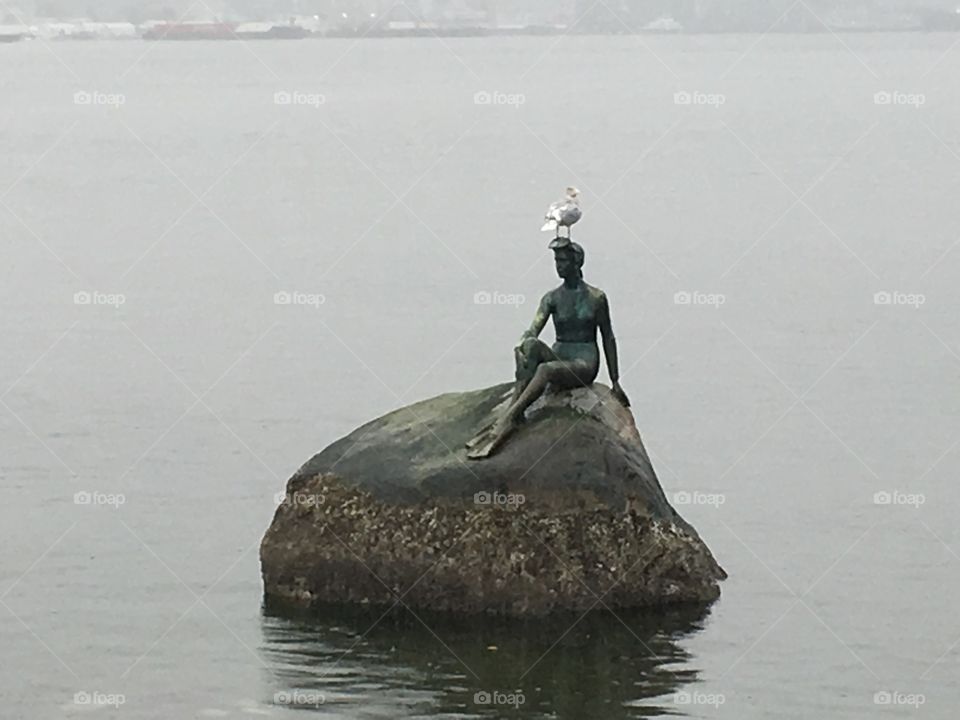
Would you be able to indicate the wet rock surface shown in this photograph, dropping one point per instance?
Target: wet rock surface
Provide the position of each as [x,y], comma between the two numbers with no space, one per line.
[568,516]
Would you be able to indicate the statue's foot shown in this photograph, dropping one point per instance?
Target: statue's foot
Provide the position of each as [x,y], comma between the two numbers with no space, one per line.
[493,440]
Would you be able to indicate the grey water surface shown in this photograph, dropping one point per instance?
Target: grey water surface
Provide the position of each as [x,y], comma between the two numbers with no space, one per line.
[217,258]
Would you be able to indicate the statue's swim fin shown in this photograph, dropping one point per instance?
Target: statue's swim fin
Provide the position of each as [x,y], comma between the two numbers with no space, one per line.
[483,449]
[492,440]
[479,437]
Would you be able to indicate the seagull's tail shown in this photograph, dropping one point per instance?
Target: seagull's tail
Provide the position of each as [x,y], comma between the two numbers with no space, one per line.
[549,226]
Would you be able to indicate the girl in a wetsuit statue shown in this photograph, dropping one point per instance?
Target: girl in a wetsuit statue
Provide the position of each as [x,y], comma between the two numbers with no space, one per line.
[578,311]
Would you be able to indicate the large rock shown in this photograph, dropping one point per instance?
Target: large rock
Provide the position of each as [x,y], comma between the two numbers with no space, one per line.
[568,515]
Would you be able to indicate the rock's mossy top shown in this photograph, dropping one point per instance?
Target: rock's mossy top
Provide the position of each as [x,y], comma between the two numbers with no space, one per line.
[577,448]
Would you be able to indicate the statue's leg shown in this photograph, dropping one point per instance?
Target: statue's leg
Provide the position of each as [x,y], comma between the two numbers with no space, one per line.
[558,371]
[530,354]
[537,367]
[563,373]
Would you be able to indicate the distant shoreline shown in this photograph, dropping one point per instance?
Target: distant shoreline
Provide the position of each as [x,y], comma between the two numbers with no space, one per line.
[454,34]
[224,31]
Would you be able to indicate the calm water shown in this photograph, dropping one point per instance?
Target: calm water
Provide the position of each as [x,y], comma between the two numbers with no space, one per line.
[792,199]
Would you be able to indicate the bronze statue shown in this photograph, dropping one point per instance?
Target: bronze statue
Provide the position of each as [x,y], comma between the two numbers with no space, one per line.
[578,310]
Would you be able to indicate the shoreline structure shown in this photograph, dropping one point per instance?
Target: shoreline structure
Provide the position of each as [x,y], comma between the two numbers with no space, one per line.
[304,27]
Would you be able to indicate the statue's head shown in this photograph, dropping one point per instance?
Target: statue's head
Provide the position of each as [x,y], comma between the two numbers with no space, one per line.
[568,258]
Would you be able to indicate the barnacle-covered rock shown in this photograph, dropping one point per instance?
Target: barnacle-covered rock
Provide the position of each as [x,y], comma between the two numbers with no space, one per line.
[569,515]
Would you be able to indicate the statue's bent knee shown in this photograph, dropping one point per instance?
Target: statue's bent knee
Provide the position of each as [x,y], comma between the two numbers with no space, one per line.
[528,357]
[526,353]
[528,347]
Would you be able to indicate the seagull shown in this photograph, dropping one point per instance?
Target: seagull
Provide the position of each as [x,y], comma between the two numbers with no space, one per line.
[564,213]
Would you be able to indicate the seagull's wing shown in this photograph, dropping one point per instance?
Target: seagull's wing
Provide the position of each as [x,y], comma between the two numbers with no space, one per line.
[570,214]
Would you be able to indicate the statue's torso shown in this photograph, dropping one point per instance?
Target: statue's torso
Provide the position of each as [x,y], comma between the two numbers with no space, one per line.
[575,313]
[575,319]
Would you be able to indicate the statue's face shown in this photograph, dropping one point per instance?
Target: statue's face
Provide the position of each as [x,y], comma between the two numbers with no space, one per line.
[566,265]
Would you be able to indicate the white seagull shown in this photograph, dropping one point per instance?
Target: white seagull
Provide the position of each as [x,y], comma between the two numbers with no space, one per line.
[564,213]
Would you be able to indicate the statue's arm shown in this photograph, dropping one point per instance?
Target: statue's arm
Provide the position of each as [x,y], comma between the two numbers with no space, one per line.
[539,319]
[610,350]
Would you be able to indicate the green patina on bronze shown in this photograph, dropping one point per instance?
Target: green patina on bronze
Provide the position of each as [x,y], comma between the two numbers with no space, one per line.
[579,311]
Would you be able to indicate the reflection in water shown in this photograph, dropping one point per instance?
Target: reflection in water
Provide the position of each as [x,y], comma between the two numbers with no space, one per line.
[333,663]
